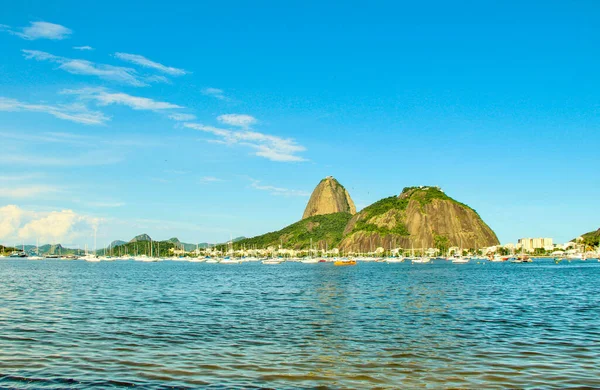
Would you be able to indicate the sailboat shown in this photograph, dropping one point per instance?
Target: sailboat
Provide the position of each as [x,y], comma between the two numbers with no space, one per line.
[37,250]
[310,259]
[422,259]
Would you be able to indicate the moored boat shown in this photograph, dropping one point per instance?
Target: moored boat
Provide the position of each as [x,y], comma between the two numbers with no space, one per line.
[344,262]
[391,260]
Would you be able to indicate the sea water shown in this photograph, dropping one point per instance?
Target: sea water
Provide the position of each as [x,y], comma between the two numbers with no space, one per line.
[185,325]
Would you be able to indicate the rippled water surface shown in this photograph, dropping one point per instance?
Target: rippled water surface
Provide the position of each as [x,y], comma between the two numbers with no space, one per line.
[174,324]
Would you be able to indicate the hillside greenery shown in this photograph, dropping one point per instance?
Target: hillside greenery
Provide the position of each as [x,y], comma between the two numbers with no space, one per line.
[426,195]
[591,239]
[321,229]
[6,250]
[157,248]
[378,208]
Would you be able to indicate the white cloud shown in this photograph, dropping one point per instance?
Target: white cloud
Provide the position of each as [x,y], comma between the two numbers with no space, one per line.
[117,74]
[145,62]
[182,117]
[104,98]
[268,146]
[10,220]
[176,172]
[83,48]
[39,30]
[58,226]
[238,120]
[71,112]
[105,204]
[19,177]
[278,190]
[18,224]
[209,179]
[27,191]
[93,158]
[214,92]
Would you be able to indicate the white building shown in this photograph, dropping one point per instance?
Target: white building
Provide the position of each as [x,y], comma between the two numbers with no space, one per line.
[531,244]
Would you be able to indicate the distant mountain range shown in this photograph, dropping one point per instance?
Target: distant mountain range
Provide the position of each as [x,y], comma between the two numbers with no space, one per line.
[146,239]
[46,249]
[138,243]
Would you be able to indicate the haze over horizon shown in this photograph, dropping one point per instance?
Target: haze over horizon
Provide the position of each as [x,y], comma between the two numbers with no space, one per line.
[205,121]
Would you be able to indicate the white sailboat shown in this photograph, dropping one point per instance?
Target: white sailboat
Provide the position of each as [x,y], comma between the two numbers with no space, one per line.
[395,259]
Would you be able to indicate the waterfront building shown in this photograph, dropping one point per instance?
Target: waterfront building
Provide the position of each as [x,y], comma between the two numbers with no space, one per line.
[531,244]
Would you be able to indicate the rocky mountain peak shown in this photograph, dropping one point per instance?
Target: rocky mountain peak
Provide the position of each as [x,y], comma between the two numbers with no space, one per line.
[141,237]
[329,197]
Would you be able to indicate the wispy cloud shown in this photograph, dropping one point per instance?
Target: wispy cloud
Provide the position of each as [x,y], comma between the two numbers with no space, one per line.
[160,180]
[39,30]
[19,177]
[176,172]
[103,97]
[268,146]
[214,92]
[72,112]
[238,120]
[105,204]
[83,48]
[84,141]
[117,74]
[93,158]
[279,191]
[182,117]
[49,137]
[26,191]
[145,62]
[209,179]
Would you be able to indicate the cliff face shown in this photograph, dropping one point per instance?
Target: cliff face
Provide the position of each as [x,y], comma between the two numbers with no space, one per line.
[329,197]
[419,218]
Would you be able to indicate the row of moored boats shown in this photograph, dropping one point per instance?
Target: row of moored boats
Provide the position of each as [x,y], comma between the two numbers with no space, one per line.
[456,259]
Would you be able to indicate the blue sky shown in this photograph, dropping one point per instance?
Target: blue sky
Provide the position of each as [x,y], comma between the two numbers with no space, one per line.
[207,120]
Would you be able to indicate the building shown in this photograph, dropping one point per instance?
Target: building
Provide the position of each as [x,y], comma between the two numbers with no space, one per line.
[531,244]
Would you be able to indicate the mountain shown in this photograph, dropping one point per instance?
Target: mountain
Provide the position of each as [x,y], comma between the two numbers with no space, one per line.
[187,247]
[6,249]
[141,246]
[419,217]
[324,230]
[141,237]
[49,249]
[329,197]
[591,238]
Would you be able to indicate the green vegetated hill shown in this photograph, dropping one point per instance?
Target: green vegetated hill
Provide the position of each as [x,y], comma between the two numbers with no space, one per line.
[48,249]
[57,249]
[324,230]
[421,217]
[591,238]
[6,249]
[145,247]
[143,243]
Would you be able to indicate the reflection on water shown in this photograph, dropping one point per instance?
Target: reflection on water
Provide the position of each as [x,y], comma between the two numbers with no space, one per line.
[77,324]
